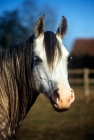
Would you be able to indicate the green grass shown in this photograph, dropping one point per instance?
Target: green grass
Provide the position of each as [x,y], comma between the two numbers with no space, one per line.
[43,123]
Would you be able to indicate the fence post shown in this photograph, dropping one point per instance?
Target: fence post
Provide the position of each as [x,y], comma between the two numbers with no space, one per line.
[86,82]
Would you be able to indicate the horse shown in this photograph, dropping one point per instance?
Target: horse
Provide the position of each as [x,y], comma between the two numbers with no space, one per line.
[33,66]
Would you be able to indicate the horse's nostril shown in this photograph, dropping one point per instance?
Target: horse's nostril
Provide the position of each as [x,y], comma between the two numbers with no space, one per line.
[53,97]
[55,94]
[56,89]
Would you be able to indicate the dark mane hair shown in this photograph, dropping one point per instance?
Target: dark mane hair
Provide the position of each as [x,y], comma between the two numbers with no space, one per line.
[16,88]
[52,47]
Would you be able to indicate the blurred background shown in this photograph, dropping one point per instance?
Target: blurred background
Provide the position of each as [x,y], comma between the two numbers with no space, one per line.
[17,21]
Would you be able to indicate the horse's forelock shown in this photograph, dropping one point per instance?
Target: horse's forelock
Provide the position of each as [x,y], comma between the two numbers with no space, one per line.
[52,48]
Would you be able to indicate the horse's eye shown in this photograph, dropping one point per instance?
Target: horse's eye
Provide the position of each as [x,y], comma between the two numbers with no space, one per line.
[69,58]
[38,59]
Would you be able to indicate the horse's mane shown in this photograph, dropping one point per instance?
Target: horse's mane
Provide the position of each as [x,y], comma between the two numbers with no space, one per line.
[52,47]
[16,90]
[17,60]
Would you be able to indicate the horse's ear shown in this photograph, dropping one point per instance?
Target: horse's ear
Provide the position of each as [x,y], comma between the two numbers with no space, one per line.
[62,29]
[39,27]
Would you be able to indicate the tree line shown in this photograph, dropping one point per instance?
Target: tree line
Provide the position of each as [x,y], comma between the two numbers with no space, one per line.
[17,25]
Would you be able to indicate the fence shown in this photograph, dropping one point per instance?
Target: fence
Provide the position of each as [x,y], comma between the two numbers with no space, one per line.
[81,76]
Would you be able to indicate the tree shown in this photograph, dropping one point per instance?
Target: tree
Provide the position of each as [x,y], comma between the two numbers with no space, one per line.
[19,24]
[11,29]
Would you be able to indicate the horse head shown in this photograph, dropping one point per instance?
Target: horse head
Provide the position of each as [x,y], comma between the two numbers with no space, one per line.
[50,59]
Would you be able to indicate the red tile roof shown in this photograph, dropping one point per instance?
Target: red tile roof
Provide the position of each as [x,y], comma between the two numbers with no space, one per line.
[83,47]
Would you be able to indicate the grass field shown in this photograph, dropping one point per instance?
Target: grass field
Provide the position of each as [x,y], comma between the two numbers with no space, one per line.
[43,123]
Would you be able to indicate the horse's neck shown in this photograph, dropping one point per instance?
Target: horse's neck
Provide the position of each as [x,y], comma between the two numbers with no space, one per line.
[16,92]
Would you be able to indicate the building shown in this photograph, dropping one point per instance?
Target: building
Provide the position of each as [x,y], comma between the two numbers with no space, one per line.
[83,54]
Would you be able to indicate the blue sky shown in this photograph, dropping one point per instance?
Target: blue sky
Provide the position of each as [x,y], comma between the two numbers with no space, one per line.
[79,13]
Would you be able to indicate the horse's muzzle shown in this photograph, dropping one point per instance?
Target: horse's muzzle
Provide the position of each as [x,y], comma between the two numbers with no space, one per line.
[62,99]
